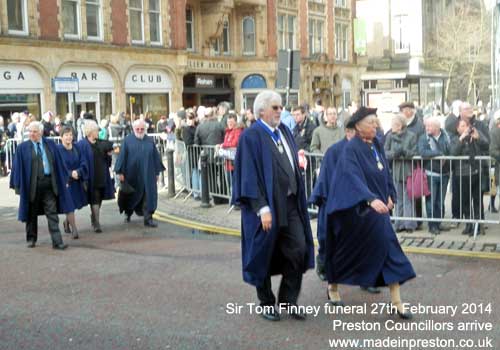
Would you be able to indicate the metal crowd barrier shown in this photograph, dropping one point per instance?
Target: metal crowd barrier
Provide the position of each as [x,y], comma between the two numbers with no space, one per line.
[452,190]
[11,146]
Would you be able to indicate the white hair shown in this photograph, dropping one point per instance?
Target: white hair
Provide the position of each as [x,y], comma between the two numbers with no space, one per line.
[89,126]
[47,115]
[69,116]
[455,107]
[15,117]
[433,120]
[36,125]
[103,123]
[264,100]
[137,122]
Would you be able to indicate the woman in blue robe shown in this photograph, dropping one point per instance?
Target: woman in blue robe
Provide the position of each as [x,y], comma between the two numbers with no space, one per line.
[362,247]
[78,175]
[97,156]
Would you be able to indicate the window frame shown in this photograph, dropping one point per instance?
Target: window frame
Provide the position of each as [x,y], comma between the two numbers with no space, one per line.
[244,52]
[160,29]
[401,45]
[25,31]
[77,36]
[342,42]
[130,9]
[282,32]
[226,34]
[192,24]
[99,4]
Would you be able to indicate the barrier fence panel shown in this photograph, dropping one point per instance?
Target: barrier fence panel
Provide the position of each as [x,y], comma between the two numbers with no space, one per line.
[443,189]
[433,190]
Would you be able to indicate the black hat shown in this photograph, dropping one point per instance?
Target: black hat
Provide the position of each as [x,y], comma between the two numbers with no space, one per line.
[406,105]
[359,115]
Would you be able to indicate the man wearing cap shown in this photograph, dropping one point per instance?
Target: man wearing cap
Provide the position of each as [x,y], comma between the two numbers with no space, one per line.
[416,126]
[276,233]
[361,245]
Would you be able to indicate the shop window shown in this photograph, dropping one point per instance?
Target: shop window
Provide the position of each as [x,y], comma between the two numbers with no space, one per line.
[369,84]
[136,21]
[248,36]
[62,104]
[17,17]
[155,22]
[106,103]
[189,29]
[71,18]
[155,104]
[94,19]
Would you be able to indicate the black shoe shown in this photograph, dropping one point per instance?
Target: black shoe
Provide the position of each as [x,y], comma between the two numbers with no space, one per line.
[66,226]
[127,219]
[60,246]
[269,313]
[398,230]
[31,244]
[468,230]
[434,231]
[372,290]
[97,228]
[494,210]
[150,223]
[409,230]
[406,315]
[297,315]
[320,269]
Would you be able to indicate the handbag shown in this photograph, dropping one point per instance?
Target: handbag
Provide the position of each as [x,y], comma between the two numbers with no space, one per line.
[416,184]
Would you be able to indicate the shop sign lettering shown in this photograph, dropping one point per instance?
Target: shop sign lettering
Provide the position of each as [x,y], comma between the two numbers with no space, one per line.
[205,81]
[146,78]
[8,75]
[209,65]
[85,76]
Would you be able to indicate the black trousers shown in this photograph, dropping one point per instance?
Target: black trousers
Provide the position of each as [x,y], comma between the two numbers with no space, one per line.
[45,199]
[291,247]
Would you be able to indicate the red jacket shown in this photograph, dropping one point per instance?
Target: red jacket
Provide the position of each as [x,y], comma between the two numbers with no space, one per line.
[231,138]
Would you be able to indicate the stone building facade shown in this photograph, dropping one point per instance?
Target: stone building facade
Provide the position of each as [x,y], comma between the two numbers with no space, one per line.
[156,56]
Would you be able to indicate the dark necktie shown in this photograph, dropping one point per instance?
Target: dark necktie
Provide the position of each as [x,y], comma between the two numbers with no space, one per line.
[39,152]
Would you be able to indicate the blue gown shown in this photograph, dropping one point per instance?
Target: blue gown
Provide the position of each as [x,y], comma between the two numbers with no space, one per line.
[362,247]
[74,161]
[20,178]
[253,173]
[88,156]
[140,162]
[319,194]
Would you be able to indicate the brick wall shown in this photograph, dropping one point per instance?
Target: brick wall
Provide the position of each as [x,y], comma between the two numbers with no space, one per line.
[178,24]
[271,28]
[119,22]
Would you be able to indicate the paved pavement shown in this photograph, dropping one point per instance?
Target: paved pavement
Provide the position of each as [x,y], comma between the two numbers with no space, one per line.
[221,216]
[168,288]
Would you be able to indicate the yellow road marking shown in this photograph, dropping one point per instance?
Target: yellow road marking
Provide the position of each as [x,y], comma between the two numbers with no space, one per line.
[175,220]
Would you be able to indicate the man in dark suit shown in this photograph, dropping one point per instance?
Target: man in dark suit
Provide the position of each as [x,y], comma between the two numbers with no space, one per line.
[40,177]
[276,233]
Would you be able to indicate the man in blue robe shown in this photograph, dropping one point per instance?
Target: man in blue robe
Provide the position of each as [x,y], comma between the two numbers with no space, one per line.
[276,233]
[40,178]
[139,163]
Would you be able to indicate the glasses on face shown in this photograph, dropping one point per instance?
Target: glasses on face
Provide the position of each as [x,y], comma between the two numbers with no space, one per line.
[277,108]
[139,129]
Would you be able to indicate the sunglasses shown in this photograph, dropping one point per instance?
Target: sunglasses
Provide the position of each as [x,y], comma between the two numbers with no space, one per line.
[276,108]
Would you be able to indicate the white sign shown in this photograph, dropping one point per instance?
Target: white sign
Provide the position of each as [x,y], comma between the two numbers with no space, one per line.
[143,80]
[91,78]
[65,84]
[19,77]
